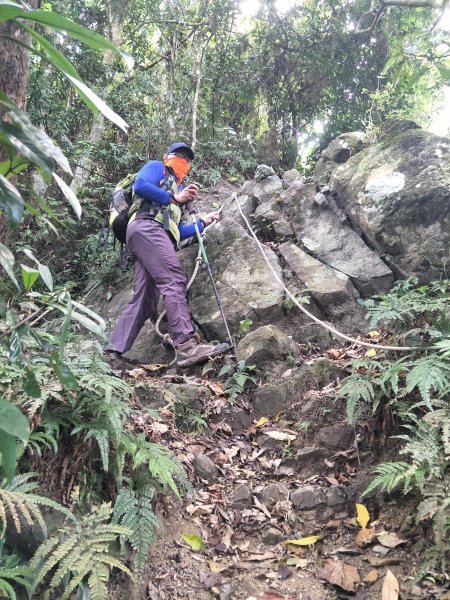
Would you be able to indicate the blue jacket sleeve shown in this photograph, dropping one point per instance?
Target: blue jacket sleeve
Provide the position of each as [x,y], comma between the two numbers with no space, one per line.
[188,230]
[147,181]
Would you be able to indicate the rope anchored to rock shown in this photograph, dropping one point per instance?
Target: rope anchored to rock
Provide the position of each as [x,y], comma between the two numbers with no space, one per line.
[326,326]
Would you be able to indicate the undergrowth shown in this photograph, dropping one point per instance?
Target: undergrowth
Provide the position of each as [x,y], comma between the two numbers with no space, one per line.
[416,387]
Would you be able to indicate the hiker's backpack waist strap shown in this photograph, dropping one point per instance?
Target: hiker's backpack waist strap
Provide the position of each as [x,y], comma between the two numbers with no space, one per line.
[151,210]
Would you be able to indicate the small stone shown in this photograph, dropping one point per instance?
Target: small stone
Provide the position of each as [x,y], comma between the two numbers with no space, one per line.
[379,549]
[337,436]
[271,536]
[273,493]
[262,172]
[205,468]
[242,495]
[320,199]
[336,495]
[308,497]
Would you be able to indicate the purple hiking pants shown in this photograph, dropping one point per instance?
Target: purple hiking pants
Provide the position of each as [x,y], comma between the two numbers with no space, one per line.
[157,270]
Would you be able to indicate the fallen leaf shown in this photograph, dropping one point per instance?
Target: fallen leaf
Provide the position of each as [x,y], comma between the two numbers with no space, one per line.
[390,540]
[307,541]
[391,587]
[362,515]
[262,421]
[259,557]
[374,333]
[298,563]
[341,574]
[332,480]
[154,367]
[372,576]
[335,354]
[193,540]
[382,562]
[273,596]
[281,436]
[284,572]
[216,388]
[210,580]
[371,353]
[216,567]
[365,537]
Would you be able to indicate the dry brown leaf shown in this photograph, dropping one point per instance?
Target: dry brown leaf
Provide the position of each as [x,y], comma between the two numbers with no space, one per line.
[216,388]
[390,540]
[259,557]
[372,576]
[391,587]
[335,354]
[365,537]
[341,574]
[273,596]
[216,567]
[382,562]
[210,580]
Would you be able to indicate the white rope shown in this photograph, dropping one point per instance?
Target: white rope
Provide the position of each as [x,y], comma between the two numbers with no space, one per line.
[311,316]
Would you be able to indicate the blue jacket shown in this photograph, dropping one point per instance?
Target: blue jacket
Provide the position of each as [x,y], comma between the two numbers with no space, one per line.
[146,185]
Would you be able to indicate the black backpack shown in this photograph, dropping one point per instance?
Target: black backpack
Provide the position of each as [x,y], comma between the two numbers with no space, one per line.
[121,207]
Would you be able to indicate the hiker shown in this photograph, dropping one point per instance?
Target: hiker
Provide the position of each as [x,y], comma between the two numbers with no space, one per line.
[152,236]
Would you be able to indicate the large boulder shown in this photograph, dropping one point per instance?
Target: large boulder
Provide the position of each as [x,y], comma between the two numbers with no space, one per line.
[266,344]
[325,236]
[397,192]
[247,287]
[338,152]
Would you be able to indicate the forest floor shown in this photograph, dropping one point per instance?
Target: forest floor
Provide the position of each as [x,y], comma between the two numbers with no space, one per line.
[242,511]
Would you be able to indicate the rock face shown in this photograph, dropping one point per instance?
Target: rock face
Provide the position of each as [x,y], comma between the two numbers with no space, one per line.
[339,151]
[398,193]
[266,344]
[336,244]
[247,287]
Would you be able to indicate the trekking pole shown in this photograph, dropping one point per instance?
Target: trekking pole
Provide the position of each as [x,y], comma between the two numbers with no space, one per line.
[190,208]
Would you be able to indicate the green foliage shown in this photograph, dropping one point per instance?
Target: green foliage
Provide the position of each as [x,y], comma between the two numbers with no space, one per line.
[12,573]
[18,504]
[241,376]
[417,388]
[133,509]
[80,553]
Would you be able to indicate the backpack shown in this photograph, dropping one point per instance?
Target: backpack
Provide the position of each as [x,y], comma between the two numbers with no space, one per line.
[120,207]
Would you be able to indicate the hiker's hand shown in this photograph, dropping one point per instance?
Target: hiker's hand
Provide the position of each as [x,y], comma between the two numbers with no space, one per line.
[210,217]
[187,194]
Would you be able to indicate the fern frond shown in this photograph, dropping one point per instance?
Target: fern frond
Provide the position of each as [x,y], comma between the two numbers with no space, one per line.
[17,502]
[17,575]
[356,388]
[390,475]
[133,509]
[428,374]
[82,552]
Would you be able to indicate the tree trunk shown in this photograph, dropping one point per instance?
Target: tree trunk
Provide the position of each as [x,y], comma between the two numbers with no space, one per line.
[14,72]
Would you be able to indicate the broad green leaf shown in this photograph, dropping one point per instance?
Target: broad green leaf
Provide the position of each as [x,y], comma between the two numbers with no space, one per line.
[46,275]
[193,540]
[26,145]
[96,103]
[15,347]
[65,375]
[444,71]
[41,139]
[11,202]
[7,262]
[8,454]
[13,166]
[29,276]
[30,385]
[13,421]
[68,193]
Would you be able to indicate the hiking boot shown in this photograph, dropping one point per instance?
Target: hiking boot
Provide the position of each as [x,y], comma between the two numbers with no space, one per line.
[192,352]
[117,362]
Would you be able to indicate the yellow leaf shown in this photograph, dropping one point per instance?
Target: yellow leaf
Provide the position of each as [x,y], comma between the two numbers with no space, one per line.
[362,515]
[374,333]
[193,540]
[262,421]
[281,436]
[371,353]
[307,541]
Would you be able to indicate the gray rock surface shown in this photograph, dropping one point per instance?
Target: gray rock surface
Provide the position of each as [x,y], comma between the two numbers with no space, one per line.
[271,536]
[267,343]
[308,497]
[397,192]
[242,496]
[273,493]
[205,468]
[269,187]
[338,436]
[290,176]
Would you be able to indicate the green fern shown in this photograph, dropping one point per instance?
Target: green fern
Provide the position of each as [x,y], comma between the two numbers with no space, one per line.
[435,506]
[133,509]
[12,573]
[390,476]
[357,389]
[158,461]
[18,503]
[80,552]
[428,374]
